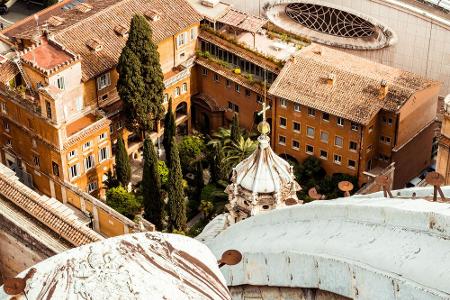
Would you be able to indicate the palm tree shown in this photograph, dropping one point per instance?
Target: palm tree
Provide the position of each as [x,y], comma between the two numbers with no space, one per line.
[237,152]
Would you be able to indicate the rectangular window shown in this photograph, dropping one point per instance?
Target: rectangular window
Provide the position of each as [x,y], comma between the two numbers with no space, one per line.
[259,99]
[338,141]
[60,83]
[340,121]
[228,83]
[283,122]
[103,81]
[233,106]
[283,103]
[166,98]
[385,140]
[311,112]
[36,161]
[181,39]
[326,117]
[102,136]
[204,71]
[193,33]
[355,127]
[324,136]
[55,168]
[216,77]
[87,145]
[323,154]
[89,162]
[310,131]
[248,93]
[237,87]
[177,92]
[184,88]
[48,108]
[296,127]
[92,186]
[71,154]
[351,164]
[74,171]
[111,128]
[8,143]
[282,140]
[6,125]
[103,154]
[295,145]
[337,159]
[297,107]
[309,149]
[353,146]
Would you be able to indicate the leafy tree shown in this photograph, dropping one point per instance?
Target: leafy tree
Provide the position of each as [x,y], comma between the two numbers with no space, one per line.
[191,149]
[140,83]
[48,3]
[237,152]
[122,201]
[235,133]
[176,204]
[169,130]
[151,186]
[163,172]
[206,207]
[123,168]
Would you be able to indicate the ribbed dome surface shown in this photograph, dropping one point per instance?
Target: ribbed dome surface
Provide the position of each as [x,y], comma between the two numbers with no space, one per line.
[263,171]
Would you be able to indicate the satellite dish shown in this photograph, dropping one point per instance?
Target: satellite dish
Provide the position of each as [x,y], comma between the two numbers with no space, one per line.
[230,258]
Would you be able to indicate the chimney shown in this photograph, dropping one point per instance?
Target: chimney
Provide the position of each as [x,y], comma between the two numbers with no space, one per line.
[331,79]
[153,15]
[447,104]
[384,89]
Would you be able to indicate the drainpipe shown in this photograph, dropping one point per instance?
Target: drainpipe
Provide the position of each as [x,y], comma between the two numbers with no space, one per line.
[358,168]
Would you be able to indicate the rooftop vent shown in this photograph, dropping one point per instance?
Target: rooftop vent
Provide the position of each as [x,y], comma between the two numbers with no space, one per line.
[94,45]
[331,79]
[121,30]
[55,21]
[383,89]
[210,3]
[84,7]
[153,15]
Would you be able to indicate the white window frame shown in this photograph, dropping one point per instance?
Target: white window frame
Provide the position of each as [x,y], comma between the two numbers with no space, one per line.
[355,126]
[336,137]
[216,77]
[311,112]
[309,152]
[193,33]
[204,71]
[323,157]
[76,170]
[89,158]
[103,81]
[102,136]
[295,148]
[6,126]
[337,161]
[313,131]
[327,134]
[166,98]
[299,127]
[92,186]
[103,154]
[340,121]
[87,145]
[36,161]
[8,143]
[237,88]
[297,107]
[181,39]
[326,120]
[279,140]
[351,167]
[184,88]
[350,146]
[3,107]
[283,103]
[72,154]
[177,91]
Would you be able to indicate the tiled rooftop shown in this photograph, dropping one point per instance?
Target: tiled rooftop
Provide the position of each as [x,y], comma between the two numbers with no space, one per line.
[80,124]
[46,56]
[355,93]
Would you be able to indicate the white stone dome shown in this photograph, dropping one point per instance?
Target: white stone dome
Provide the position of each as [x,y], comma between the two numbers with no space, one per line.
[263,171]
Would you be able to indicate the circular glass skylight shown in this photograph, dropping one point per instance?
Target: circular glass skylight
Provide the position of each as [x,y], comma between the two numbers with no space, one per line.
[330,20]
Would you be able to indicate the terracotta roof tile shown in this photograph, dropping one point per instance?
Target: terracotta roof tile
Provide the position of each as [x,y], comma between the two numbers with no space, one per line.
[46,211]
[8,70]
[355,92]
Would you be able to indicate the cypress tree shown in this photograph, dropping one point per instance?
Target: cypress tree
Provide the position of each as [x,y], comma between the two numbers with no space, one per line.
[176,204]
[151,186]
[169,130]
[140,83]
[123,169]
[235,131]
